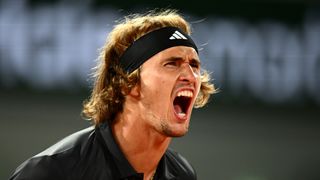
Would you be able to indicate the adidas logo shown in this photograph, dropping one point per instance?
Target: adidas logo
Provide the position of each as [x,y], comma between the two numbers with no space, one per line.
[177,35]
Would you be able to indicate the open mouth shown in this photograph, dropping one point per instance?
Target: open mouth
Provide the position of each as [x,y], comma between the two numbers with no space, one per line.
[182,102]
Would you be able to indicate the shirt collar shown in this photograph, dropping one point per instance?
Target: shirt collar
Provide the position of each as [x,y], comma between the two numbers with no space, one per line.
[124,167]
[164,170]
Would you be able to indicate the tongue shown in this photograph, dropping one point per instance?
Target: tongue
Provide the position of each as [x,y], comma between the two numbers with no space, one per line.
[178,109]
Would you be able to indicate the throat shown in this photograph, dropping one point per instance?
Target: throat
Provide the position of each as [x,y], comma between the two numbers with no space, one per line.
[145,155]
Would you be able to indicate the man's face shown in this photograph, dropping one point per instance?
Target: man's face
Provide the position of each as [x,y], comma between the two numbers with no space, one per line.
[170,83]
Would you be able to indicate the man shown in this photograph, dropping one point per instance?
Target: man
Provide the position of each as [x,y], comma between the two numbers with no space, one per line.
[146,84]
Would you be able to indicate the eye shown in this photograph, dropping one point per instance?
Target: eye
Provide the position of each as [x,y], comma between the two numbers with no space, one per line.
[195,65]
[171,64]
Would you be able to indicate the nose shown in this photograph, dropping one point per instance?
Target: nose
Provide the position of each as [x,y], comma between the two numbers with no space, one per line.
[188,74]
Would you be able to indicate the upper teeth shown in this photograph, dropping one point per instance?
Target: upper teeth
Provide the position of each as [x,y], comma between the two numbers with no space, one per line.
[186,93]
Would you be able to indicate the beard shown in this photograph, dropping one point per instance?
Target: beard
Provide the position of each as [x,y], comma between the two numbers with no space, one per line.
[162,124]
[170,131]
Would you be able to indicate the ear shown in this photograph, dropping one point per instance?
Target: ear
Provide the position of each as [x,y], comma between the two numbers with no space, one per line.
[135,91]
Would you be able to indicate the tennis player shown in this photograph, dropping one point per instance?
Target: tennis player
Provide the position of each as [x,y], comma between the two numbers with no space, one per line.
[147,82]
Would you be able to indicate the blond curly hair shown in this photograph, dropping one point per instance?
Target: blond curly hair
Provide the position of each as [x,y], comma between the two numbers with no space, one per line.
[112,83]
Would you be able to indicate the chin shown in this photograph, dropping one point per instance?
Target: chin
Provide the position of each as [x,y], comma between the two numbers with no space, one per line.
[174,132]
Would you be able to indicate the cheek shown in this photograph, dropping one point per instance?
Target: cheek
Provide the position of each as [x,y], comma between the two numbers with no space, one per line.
[162,89]
[154,90]
[198,86]
[156,87]
[162,83]
[161,94]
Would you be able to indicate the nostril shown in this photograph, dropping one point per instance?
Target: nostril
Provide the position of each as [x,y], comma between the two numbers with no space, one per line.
[187,77]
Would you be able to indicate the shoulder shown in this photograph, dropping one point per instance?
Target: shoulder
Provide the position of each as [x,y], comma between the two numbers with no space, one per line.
[75,141]
[53,162]
[180,165]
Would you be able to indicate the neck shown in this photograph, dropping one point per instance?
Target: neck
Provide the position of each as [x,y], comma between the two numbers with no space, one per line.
[142,145]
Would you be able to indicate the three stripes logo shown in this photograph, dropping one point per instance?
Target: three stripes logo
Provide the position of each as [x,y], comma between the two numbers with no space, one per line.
[177,35]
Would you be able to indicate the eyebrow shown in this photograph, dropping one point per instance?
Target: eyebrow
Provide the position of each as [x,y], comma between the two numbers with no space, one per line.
[176,58]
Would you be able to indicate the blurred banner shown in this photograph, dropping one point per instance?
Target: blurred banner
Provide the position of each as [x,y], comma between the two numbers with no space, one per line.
[264,58]
[54,46]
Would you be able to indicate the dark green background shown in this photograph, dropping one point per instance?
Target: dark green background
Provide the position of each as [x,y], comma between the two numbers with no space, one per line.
[231,138]
[226,141]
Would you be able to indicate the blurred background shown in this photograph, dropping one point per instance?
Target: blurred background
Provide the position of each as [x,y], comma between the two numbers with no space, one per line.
[264,124]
